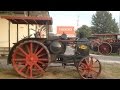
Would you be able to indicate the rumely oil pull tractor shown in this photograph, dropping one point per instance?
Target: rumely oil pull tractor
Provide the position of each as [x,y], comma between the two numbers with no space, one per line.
[31,56]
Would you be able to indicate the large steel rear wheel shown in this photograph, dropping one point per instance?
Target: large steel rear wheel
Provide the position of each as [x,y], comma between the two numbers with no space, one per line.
[89,68]
[105,48]
[30,58]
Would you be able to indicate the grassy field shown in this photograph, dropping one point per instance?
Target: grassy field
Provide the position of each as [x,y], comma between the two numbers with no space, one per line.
[109,71]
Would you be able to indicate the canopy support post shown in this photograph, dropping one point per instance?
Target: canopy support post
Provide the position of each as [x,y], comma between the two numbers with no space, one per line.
[28,25]
[17,32]
[8,39]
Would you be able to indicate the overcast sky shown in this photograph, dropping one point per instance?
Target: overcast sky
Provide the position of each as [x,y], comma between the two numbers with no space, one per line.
[69,18]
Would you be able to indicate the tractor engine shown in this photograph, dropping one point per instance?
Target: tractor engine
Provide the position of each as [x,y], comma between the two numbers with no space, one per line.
[56,46]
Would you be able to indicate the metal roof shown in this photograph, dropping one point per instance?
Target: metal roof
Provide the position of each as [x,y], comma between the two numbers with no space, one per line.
[29,20]
[105,34]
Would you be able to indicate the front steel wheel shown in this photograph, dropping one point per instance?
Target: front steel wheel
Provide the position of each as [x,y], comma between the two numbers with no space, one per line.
[89,68]
[30,58]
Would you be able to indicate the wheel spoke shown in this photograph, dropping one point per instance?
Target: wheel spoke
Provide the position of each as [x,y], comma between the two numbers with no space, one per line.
[94,71]
[28,49]
[31,47]
[39,51]
[83,73]
[87,62]
[41,55]
[43,59]
[20,54]
[83,64]
[23,68]
[31,72]
[105,51]
[28,68]
[41,62]
[88,74]
[39,68]
[20,60]
[22,51]
[36,49]
[81,68]
[95,67]
[91,61]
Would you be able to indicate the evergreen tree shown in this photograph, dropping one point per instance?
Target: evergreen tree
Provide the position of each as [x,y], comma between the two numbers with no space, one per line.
[103,23]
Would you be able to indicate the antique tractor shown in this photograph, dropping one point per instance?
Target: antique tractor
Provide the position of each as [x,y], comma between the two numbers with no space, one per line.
[31,56]
[106,43]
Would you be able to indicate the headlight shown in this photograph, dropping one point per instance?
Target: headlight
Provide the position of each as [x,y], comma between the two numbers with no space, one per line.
[83,47]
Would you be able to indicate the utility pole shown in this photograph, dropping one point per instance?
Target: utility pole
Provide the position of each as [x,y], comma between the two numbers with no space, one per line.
[78,22]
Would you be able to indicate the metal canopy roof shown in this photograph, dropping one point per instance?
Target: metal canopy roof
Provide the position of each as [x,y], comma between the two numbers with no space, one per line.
[105,34]
[29,20]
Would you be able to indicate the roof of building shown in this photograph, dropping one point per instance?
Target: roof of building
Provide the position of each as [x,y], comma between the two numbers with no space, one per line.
[29,20]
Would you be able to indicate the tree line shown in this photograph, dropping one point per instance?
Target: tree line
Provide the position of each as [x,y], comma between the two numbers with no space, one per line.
[102,23]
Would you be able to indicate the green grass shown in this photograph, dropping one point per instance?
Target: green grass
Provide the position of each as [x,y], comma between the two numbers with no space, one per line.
[9,74]
[110,71]
[61,73]
[93,52]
